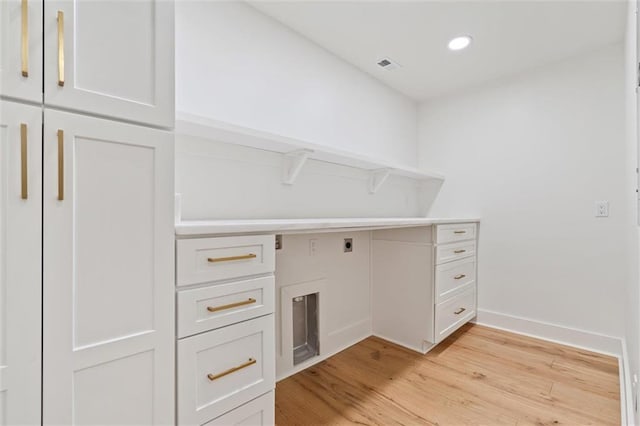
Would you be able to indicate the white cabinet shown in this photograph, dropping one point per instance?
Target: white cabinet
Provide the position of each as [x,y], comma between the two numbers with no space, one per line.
[423,283]
[21,56]
[108,270]
[111,58]
[20,260]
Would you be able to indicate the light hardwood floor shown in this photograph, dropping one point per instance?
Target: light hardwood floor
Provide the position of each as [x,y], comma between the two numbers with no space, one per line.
[477,376]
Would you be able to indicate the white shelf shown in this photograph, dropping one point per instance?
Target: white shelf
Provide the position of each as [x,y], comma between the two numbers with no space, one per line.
[296,152]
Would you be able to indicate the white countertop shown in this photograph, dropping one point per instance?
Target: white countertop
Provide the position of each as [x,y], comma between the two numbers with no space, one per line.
[265,226]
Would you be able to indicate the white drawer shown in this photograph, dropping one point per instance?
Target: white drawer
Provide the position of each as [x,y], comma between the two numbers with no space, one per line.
[453,313]
[259,412]
[203,260]
[225,368]
[454,277]
[449,252]
[216,306]
[455,232]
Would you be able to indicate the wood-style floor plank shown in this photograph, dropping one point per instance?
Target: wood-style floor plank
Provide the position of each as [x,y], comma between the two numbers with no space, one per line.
[478,376]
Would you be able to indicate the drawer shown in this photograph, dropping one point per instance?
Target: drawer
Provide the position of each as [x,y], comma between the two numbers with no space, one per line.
[454,277]
[449,252]
[203,260]
[225,368]
[455,232]
[453,313]
[259,412]
[216,306]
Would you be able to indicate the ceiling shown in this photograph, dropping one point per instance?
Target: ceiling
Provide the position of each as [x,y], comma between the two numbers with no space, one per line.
[508,36]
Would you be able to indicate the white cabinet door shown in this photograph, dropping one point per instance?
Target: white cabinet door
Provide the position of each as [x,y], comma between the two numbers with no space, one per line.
[21,42]
[111,58]
[108,272]
[20,262]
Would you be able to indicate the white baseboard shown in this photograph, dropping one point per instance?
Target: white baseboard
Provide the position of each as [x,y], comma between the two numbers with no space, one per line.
[337,341]
[593,342]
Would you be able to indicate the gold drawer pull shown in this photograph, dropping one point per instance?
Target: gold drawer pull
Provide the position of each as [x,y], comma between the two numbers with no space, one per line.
[60,165]
[459,232]
[213,377]
[60,48]
[459,251]
[25,38]
[459,311]
[23,162]
[230,258]
[459,277]
[231,305]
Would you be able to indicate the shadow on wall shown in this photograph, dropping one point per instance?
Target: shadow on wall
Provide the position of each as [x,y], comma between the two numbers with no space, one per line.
[223,181]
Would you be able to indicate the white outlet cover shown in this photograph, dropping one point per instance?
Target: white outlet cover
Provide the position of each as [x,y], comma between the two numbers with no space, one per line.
[602,209]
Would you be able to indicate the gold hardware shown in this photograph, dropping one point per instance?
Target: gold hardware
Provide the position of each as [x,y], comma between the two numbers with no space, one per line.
[459,277]
[230,305]
[60,165]
[459,251]
[230,258]
[459,232]
[25,38]
[23,160]
[60,48]
[459,311]
[213,377]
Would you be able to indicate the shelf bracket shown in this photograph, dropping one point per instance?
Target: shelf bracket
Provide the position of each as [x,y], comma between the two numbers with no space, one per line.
[377,179]
[292,163]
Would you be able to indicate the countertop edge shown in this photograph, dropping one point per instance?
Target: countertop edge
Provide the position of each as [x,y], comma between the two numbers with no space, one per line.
[270,226]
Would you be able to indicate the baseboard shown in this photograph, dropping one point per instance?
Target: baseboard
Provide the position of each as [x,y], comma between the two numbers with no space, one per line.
[626,389]
[587,340]
[340,340]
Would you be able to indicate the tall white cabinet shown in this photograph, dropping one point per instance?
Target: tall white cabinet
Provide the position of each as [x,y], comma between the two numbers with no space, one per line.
[20,262]
[86,267]
[108,304]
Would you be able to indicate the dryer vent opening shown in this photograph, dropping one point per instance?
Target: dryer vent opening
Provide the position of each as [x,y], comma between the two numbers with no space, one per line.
[306,342]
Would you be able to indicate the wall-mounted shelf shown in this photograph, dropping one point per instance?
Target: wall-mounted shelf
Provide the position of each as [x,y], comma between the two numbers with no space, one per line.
[296,152]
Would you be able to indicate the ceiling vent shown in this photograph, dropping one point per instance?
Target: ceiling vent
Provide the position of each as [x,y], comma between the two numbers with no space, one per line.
[388,64]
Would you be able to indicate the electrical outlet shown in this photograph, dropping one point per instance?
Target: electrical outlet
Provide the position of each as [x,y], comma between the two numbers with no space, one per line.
[602,209]
[348,245]
[278,242]
[313,247]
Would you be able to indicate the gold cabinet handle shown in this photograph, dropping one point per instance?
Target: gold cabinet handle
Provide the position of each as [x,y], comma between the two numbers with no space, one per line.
[230,305]
[25,38]
[60,48]
[23,162]
[230,258]
[459,251]
[213,377]
[459,277]
[460,232]
[60,165]
[459,311]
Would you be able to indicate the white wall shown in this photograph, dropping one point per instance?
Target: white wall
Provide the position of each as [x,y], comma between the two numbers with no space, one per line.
[223,181]
[632,306]
[237,65]
[530,155]
[347,319]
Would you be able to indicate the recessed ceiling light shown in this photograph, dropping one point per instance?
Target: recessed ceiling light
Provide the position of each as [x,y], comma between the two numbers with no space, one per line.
[460,43]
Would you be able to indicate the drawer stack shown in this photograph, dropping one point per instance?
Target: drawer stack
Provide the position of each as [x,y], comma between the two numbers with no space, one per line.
[226,330]
[455,277]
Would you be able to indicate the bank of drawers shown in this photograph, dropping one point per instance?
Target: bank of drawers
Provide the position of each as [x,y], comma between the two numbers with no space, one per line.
[226,330]
[455,277]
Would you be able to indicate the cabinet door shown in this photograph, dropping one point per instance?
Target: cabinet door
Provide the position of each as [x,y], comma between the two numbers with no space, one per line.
[108,272]
[21,42]
[20,260]
[111,58]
